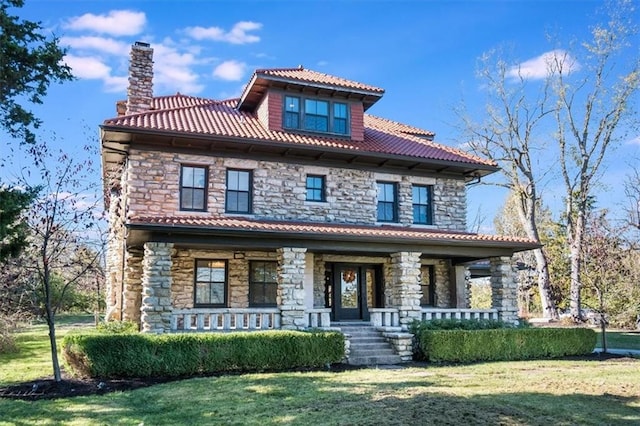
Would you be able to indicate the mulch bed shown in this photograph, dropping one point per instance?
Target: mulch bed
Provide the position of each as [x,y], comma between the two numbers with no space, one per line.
[48,388]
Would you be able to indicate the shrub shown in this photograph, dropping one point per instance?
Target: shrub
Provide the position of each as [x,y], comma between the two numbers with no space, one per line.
[461,324]
[117,327]
[148,355]
[503,344]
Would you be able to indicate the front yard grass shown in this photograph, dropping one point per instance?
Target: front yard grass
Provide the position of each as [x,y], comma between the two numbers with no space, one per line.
[509,393]
[563,392]
[621,340]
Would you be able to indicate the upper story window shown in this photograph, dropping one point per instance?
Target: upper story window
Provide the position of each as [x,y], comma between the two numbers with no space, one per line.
[387,202]
[263,283]
[238,191]
[315,115]
[211,283]
[193,188]
[315,188]
[422,210]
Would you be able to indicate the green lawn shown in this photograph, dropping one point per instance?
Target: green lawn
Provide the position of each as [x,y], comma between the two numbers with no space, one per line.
[621,340]
[562,392]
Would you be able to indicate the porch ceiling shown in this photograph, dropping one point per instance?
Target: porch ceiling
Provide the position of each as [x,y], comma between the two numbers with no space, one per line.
[241,233]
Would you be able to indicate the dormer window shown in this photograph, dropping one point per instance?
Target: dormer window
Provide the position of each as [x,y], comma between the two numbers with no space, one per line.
[315,115]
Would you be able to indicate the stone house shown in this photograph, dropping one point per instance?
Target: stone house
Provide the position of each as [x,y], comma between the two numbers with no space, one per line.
[289,207]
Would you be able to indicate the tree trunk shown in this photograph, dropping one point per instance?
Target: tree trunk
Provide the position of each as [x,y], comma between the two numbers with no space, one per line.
[575,238]
[549,309]
[54,346]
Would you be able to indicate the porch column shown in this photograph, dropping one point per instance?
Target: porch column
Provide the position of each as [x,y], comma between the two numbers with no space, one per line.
[156,288]
[291,294]
[406,292]
[504,288]
[132,294]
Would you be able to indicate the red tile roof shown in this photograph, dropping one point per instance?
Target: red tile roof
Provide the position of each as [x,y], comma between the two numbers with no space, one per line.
[386,232]
[301,74]
[199,116]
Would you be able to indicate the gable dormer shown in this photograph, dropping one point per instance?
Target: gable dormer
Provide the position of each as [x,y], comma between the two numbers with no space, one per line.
[302,100]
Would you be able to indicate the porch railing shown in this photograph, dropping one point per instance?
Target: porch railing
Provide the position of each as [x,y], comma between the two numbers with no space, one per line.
[319,317]
[225,319]
[429,314]
[384,317]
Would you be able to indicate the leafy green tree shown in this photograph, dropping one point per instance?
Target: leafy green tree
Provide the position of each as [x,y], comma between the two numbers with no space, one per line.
[29,63]
[13,228]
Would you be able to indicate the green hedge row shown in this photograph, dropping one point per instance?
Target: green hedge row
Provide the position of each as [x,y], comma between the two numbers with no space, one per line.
[504,344]
[148,355]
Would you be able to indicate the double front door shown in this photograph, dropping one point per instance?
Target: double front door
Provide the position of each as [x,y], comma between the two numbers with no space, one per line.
[355,288]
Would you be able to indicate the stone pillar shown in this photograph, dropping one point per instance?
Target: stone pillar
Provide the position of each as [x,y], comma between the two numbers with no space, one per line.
[291,294]
[132,293]
[156,288]
[442,272]
[406,292]
[504,288]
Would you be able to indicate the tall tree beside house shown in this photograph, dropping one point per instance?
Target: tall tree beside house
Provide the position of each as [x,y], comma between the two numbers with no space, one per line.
[65,242]
[13,229]
[30,63]
[508,135]
[632,191]
[508,222]
[593,86]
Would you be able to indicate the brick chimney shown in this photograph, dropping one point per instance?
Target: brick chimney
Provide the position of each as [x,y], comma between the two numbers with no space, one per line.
[140,90]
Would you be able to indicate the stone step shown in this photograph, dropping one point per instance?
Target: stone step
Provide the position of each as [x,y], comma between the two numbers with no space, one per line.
[367,345]
[375,360]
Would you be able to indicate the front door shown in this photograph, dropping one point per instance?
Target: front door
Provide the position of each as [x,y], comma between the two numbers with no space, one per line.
[356,288]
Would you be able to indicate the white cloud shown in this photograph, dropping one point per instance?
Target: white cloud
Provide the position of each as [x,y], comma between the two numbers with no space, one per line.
[540,66]
[230,70]
[116,22]
[237,35]
[87,67]
[101,44]
[173,70]
[634,141]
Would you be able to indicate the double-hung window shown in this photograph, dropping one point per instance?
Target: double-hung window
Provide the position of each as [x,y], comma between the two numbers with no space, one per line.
[263,283]
[387,202]
[238,198]
[315,115]
[422,210]
[211,283]
[193,188]
[315,188]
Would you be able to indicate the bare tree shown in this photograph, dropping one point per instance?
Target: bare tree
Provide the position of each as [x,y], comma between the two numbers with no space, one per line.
[508,135]
[64,223]
[592,99]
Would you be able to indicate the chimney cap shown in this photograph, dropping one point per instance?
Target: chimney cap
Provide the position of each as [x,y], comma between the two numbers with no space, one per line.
[142,44]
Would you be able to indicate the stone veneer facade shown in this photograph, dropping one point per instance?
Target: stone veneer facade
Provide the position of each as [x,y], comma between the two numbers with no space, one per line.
[279,191]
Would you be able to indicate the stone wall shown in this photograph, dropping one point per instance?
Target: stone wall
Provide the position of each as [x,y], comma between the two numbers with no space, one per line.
[114,257]
[279,190]
[132,294]
[182,289]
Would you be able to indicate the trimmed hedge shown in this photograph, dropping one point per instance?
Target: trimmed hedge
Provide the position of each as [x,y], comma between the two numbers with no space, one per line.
[504,344]
[462,324]
[149,355]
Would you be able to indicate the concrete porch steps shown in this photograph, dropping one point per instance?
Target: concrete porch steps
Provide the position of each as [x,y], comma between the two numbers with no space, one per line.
[367,345]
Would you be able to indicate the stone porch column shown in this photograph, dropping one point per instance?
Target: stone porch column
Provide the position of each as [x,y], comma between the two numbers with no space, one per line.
[132,294]
[504,288]
[114,258]
[406,292]
[156,288]
[291,295]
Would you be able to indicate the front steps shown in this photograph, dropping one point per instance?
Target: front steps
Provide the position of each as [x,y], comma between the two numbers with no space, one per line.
[367,345]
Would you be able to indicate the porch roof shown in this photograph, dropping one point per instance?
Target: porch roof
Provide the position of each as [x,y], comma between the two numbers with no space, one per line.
[239,231]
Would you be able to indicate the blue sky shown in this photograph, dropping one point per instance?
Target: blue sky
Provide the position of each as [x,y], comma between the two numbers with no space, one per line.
[423,53]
